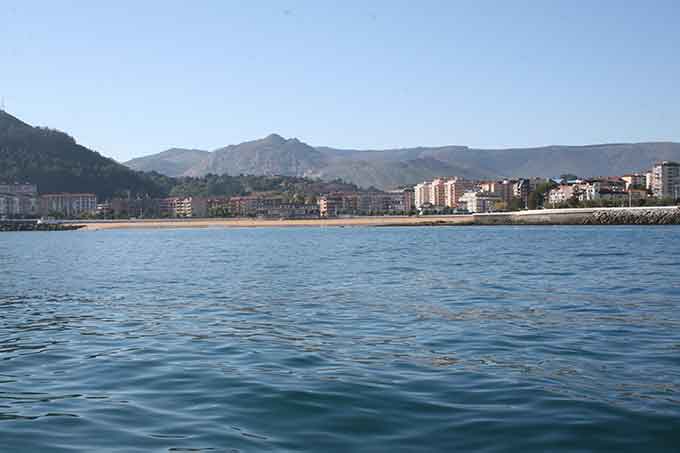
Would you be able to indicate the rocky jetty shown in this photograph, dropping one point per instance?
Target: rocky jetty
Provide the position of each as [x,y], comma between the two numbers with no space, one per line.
[667,216]
[32,225]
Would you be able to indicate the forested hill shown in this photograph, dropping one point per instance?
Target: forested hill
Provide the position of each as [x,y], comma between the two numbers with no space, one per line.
[56,163]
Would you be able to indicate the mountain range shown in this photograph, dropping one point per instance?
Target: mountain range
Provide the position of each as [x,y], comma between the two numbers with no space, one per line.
[57,163]
[275,155]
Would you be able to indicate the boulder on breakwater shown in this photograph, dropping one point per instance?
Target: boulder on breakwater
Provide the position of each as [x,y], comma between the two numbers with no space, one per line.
[662,216]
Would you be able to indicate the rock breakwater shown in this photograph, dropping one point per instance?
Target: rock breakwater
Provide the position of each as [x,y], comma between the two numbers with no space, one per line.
[666,216]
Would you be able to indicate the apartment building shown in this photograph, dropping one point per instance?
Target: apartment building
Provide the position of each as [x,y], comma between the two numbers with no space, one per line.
[477,202]
[454,188]
[140,207]
[666,179]
[422,194]
[505,189]
[409,200]
[438,192]
[69,205]
[605,188]
[19,189]
[255,205]
[18,205]
[339,203]
[294,211]
[183,207]
[18,200]
[635,180]
[649,179]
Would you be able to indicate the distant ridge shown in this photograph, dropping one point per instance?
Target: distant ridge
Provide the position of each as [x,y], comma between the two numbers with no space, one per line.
[384,169]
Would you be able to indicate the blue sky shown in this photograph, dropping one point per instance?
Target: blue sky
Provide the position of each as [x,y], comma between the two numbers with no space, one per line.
[133,78]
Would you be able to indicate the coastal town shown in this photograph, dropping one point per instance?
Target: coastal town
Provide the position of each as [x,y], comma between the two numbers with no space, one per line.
[444,195]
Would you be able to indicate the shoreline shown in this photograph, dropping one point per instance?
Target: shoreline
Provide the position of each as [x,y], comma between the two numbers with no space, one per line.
[272,223]
[666,215]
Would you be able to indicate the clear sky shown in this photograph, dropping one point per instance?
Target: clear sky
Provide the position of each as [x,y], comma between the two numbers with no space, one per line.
[129,78]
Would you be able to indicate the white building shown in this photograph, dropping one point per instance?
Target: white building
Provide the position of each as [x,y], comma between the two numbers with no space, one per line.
[422,194]
[666,179]
[479,201]
[649,179]
[562,193]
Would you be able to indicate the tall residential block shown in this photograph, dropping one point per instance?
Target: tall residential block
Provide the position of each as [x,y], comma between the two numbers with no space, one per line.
[438,196]
[666,179]
[454,189]
[422,194]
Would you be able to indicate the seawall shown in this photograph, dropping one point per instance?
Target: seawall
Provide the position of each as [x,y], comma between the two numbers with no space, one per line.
[662,215]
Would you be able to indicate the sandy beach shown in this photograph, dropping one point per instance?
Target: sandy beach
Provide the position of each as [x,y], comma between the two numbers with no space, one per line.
[248,223]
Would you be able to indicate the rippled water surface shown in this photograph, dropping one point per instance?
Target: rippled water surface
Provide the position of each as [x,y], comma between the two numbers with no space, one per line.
[341,339]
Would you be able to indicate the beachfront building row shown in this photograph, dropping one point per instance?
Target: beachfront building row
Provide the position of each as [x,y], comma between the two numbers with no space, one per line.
[69,205]
[366,203]
[457,193]
[154,207]
[613,189]
[441,192]
[273,206]
[662,181]
[23,200]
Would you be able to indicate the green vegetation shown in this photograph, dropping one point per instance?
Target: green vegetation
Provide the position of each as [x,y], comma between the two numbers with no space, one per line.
[537,197]
[294,188]
[56,163]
